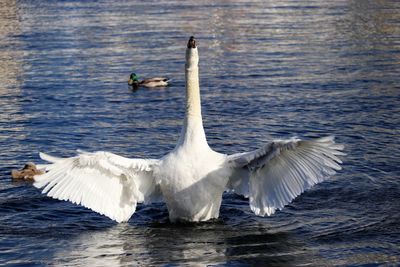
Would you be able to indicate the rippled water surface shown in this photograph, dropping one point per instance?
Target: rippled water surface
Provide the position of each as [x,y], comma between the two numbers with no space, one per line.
[269,69]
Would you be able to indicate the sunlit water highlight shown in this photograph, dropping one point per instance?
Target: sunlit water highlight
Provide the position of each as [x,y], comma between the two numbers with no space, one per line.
[269,69]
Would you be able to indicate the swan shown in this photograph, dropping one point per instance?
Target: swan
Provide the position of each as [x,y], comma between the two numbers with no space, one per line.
[149,82]
[192,177]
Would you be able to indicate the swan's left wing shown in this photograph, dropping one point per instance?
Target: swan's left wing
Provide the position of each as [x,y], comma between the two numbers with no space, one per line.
[275,174]
[104,182]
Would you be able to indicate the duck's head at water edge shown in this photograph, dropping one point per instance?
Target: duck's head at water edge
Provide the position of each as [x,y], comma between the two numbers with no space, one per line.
[133,80]
[134,77]
[27,172]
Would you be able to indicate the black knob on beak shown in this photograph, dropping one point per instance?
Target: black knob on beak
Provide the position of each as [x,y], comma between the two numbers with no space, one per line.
[191,43]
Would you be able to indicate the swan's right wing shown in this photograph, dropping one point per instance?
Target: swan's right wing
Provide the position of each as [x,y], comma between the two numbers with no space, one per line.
[104,182]
[275,174]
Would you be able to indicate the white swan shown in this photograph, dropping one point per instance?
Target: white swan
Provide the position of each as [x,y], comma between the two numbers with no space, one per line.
[192,178]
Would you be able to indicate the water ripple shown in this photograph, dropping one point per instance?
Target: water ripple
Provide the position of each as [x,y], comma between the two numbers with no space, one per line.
[269,69]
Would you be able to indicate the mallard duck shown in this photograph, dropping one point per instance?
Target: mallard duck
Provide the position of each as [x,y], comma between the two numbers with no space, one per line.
[149,83]
[192,177]
[27,172]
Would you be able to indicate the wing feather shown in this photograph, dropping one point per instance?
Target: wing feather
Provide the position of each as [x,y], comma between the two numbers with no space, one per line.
[283,169]
[104,182]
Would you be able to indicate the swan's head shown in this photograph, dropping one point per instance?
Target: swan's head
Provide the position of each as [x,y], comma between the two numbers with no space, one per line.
[192,42]
[192,55]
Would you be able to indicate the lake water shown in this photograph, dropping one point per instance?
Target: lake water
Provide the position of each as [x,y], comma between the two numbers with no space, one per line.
[269,69]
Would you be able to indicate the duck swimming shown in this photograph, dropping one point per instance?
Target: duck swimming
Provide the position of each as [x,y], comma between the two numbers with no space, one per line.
[192,177]
[27,172]
[149,83]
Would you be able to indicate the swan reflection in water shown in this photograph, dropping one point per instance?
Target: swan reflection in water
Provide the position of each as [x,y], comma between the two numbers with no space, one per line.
[192,244]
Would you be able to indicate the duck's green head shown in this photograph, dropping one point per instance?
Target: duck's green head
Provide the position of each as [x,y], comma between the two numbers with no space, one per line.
[134,77]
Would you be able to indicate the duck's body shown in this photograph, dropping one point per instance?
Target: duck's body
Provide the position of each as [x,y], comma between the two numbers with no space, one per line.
[191,178]
[26,173]
[149,82]
[155,82]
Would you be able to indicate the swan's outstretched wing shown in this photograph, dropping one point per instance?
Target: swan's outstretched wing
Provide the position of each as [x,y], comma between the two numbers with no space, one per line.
[104,182]
[275,174]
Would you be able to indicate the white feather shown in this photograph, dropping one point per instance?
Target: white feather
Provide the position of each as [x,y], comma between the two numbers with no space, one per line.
[101,181]
[282,170]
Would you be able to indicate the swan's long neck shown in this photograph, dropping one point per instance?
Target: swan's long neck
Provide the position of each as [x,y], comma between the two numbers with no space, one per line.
[193,105]
[192,131]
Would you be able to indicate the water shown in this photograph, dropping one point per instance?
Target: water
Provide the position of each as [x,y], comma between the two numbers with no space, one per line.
[269,69]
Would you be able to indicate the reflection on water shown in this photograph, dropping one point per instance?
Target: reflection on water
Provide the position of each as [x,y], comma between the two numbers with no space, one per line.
[191,245]
[11,69]
[10,63]
[269,69]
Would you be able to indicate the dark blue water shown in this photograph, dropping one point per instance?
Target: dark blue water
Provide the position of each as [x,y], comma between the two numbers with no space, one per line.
[269,69]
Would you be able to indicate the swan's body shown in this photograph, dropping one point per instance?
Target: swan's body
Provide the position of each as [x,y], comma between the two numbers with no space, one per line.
[149,82]
[192,178]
